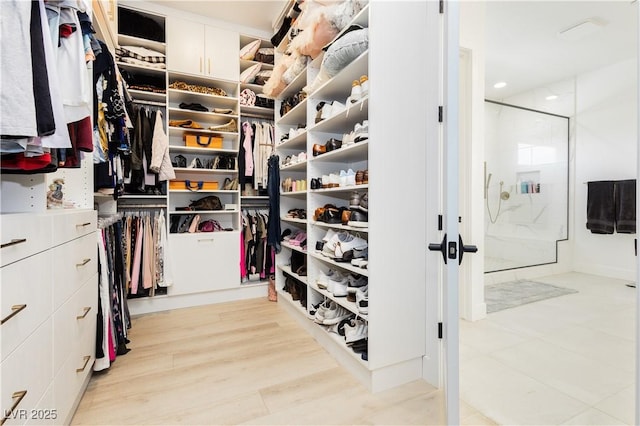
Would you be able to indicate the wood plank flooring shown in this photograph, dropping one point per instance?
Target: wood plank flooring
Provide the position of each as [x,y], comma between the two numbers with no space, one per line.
[245,362]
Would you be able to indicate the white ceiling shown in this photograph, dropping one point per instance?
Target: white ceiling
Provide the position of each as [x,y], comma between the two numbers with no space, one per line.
[523,47]
[522,43]
[258,14]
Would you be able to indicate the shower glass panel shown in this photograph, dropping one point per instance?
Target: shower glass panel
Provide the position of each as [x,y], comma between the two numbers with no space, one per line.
[526,186]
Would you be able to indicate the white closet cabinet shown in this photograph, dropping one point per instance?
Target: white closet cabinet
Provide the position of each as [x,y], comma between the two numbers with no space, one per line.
[48,306]
[205,261]
[200,49]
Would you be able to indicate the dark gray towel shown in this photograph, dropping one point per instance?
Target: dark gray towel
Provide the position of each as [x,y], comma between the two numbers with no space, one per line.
[600,207]
[625,195]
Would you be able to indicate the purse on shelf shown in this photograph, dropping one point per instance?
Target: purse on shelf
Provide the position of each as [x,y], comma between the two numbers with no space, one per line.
[179,161]
[210,225]
[225,162]
[210,202]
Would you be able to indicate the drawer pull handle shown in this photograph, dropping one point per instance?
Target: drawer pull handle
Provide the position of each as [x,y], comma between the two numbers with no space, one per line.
[83,224]
[86,361]
[14,242]
[17,397]
[14,311]
[86,311]
[202,240]
[84,262]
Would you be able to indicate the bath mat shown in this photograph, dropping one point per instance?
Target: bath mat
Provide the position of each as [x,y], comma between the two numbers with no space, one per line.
[515,293]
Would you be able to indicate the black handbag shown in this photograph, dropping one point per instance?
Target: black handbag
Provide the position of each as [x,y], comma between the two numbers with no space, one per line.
[225,162]
[210,202]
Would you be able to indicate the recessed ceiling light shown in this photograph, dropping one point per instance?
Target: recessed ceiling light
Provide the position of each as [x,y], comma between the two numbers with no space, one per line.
[500,85]
[551,97]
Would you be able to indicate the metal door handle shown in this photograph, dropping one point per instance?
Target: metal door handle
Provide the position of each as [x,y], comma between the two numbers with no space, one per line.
[441,247]
[14,242]
[465,249]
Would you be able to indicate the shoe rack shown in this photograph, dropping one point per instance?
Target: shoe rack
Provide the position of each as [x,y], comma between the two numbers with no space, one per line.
[401,321]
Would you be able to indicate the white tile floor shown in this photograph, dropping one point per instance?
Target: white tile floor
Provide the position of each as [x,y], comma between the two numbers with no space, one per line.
[566,360]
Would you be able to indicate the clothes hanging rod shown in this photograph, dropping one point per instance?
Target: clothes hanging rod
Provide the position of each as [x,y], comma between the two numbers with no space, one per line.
[262,117]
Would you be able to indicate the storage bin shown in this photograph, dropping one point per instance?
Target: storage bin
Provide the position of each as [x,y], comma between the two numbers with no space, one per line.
[193,185]
[202,141]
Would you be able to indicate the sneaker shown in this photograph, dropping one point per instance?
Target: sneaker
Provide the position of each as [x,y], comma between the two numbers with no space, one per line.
[344,247]
[358,219]
[338,285]
[361,131]
[355,330]
[334,180]
[329,247]
[343,178]
[356,92]
[348,138]
[351,177]
[337,108]
[354,201]
[362,301]
[326,181]
[364,86]
[351,291]
[323,279]
[322,309]
[335,314]
[364,203]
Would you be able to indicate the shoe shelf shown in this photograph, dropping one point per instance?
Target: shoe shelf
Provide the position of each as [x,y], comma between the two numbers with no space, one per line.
[244,64]
[284,295]
[294,220]
[344,120]
[297,142]
[341,191]
[229,86]
[339,226]
[287,269]
[292,247]
[340,341]
[210,101]
[295,167]
[297,114]
[342,301]
[127,40]
[214,191]
[340,84]
[354,152]
[254,197]
[342,265]
[294,194]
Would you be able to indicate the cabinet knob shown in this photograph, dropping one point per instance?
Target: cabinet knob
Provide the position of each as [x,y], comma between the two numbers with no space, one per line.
[83,224]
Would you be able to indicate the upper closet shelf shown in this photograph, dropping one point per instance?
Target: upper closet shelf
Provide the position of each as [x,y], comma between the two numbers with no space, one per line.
[126,40]
[143,95]
[340,85]
[230,87]
[295,86]
[144,70]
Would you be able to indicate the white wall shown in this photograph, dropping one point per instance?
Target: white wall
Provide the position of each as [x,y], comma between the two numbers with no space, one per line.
[606,134]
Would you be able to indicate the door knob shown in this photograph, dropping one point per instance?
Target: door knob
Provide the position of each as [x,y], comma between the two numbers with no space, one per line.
[441,247]
[465,249]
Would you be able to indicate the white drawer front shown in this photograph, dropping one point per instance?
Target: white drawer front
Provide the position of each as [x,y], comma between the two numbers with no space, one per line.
[45,413]
[23,235]
[28,368]
[73,264]
[73,224]
[205,262]
[75,320]
[69,380]
[26,299]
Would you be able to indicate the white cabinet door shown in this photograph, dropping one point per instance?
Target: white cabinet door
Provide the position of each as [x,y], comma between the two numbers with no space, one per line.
[185,50]
[205,261]
[222,53]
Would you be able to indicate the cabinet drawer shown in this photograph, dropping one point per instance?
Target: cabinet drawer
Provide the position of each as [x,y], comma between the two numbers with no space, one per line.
[45,413]
[23,235]
[205,261]
[73,263]
[28,368]
[74,320]
[73,224]
[69,380]
[26,299]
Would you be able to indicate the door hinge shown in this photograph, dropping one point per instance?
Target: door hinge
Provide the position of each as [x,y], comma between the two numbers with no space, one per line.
[441,6]
[439,330]
[439,222]
[440,114]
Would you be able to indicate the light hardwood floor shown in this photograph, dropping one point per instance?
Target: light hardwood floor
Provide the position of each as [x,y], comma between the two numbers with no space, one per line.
[245,362]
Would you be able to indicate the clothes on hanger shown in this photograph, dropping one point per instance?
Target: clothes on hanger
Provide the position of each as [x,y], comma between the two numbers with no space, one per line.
[256,145]
[257,259]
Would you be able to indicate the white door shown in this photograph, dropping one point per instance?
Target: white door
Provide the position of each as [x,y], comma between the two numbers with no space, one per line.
[451,246]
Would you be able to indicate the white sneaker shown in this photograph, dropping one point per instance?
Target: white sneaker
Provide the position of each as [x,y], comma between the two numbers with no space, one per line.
[356,92]
[326,180]
[361,131]
[337,108]
[343,178]
[362,301]
[334,180]
[348,138]
[355,332]
[335,314]
[338,285]
[344,246]
[364,86]
[329,247]
[322,309]
[351,177]
[323,279]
